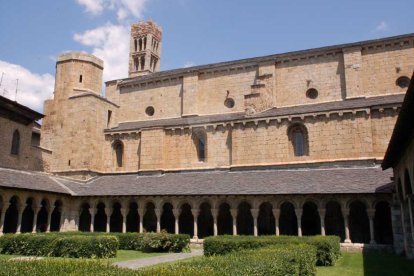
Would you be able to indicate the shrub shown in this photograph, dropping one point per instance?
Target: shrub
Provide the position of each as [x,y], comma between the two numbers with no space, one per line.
[164,242]
[274,260]
[327,247]
[76,246]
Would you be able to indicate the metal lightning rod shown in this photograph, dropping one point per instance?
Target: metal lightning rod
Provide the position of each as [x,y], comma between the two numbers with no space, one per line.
[17,86]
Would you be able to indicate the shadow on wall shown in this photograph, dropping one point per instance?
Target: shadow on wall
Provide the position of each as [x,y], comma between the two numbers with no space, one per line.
[382,263]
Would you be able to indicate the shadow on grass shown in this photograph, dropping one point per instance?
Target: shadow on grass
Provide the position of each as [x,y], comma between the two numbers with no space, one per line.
[376,263]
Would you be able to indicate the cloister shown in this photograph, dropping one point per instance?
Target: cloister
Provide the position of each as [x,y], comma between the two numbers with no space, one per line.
[356,219]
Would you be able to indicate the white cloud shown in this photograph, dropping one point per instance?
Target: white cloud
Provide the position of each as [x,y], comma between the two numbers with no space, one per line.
[382,27]
[92,6]
[189,64]
[33,89]
[123,8]
[110,43]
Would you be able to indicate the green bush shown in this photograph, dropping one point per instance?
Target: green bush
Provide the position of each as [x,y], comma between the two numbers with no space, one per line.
[297,259]
[76,246]
[327,247]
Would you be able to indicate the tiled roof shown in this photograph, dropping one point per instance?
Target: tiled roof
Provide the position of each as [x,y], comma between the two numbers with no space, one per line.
[274,112]
[351,180]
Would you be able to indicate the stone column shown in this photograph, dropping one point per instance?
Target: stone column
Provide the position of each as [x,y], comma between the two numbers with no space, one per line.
[299,219]
[62,219]
[255,214]
[49,219]
[92,211]
[322,213]
[276,214]
[124,213]
[19,220]
[233,213]
[195,213]
[75,218]
[346,224]
[2,216]
[141,220]
[176,213]
[35,213]
[371,215]
[214,213]
[108,212]
[158,215]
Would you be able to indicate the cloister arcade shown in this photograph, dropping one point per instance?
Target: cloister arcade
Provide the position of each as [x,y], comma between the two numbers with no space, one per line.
[354,219]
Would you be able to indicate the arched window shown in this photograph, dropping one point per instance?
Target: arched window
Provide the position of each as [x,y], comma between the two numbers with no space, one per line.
[200,141]
[15,148]
[298,136]
[119,152]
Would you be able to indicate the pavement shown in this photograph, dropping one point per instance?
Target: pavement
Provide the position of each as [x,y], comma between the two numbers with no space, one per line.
[139,263]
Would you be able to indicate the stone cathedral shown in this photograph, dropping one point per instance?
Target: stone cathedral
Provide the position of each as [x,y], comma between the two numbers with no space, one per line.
[285,144]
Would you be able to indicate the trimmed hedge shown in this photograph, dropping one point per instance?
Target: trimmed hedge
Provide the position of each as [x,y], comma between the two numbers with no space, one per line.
[55,245]
[327,247]
[296,259]
[147,242]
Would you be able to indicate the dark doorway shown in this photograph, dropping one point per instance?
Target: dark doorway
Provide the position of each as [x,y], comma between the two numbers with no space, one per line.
[205,221]
[186,220]
[167,218]
[288,221]
[311,223]
[244,219]
[266,220]
[224,220]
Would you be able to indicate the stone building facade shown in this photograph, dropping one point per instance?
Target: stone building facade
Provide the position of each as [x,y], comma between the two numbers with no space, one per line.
[282,144]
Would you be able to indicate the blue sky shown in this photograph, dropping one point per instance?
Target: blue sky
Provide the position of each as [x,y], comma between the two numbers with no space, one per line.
[195,32]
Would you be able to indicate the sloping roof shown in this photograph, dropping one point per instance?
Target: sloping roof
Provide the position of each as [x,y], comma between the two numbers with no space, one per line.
[274,112]
[17,112]
[403,133]
[35,181]
[345,180]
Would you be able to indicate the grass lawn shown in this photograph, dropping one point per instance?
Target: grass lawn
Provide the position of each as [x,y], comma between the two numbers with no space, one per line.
[121,255]
[369,264]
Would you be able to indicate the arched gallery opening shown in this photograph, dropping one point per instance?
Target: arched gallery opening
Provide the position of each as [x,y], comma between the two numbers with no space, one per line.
[244,219]
[56,217]
[115,224]
[311,223]
[100,218]
[42,217]
[186,220]
[132,220]
[205,221]
[288,222]
[224,220]
[358,222]
[266,220]
[334,220]
[150,218]
[382,223]
[27,217]
[85,218]
[167,218]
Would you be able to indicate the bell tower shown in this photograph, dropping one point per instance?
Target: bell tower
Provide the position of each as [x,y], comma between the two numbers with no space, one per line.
[145,48]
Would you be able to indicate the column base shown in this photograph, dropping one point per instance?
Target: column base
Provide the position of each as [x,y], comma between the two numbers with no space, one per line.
[347,241]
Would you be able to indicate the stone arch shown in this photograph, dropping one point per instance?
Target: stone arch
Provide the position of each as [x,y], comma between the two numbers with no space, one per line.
[224,219]
[205,220]
[28,215]
[244,219]
[310,221]
[299,139]
[186,220]
[150,218]
[358,222]
[116,219]
[382,223]
[84,218]
[167,217]
[42,216]
[56,216]
[132,219]
[288,222]
[100,218]
[266,220]
[334,219]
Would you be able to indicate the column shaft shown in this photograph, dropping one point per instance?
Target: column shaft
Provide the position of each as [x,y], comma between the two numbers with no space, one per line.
[2,216]
[255,214]
[346,218]
[233,213]
[322,213]
[371,214]
[276,214]
[19,220]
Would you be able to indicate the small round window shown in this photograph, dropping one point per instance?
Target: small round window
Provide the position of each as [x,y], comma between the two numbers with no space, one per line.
[312,93]
[403,82]
[150,111]
[229,103]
